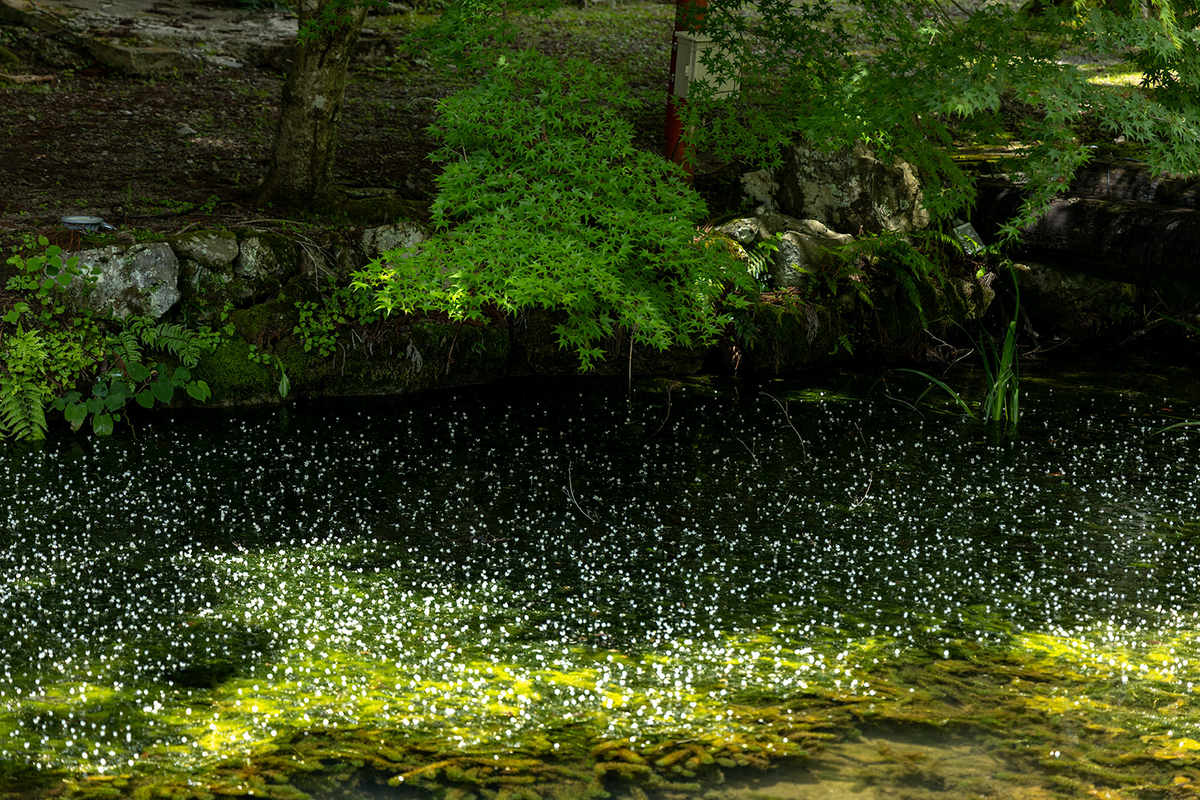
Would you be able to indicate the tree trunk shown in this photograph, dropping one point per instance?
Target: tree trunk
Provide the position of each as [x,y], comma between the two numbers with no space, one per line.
[300,175]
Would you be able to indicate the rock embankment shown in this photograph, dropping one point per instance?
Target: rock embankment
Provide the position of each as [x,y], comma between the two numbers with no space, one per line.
[1117,222]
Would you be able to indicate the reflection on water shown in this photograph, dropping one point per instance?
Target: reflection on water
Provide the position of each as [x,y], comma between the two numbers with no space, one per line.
[580,583]
[886,764]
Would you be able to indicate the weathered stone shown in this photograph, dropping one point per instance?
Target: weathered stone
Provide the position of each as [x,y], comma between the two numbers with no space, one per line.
[796,260]
[402,235]
[315,264]
[1146,244]
[264,262]
[1064,302]
[761,187]
[206,270]
[775,223]
[142,280]
[371,49]
[850,191]
[800,243]
[1123,179]
[745,232]
[25,13]
[207,288]
[215,250]
[223,62]
[136,60]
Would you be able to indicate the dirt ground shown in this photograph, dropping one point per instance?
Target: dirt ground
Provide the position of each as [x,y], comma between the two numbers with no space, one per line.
[159,154]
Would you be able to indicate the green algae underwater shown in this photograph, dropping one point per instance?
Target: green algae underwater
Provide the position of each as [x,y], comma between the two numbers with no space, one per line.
[701,588]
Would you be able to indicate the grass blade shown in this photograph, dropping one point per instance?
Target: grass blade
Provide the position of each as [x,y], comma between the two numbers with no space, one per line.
[955,396]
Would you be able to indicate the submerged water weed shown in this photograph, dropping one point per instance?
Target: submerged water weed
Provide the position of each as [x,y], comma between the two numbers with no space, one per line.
[687,584]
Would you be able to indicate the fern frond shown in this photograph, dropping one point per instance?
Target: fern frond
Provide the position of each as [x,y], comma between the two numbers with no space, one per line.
[25,353]
[22,410]
[126,346]
[175,339]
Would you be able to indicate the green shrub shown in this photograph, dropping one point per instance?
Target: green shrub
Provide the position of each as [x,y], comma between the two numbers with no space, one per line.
[47,353]
[545,203]
[340,306]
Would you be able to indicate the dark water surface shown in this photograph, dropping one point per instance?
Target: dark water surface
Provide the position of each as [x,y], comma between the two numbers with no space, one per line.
[541,570]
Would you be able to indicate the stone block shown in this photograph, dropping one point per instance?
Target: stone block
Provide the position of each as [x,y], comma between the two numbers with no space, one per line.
[141,280]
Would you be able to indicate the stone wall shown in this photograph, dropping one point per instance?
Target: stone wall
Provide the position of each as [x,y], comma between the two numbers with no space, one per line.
[252,284]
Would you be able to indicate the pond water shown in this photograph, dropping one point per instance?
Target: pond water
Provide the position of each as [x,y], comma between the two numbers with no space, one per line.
[701,588]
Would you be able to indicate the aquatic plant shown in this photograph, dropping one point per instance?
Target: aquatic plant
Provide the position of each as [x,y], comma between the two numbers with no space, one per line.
[269,361]
[1001,370]
[408,590]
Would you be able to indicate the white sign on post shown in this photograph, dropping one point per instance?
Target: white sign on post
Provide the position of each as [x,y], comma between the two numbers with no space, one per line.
[689,64]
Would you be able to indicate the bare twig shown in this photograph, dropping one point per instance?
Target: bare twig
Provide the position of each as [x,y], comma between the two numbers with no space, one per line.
[956,354]
[788,417]
[863,499]
[450,351]
[571,494]
[749,449]
[1039,349]
[1162,319]
[631,360]
[888,394]
[860,433]
[668,416]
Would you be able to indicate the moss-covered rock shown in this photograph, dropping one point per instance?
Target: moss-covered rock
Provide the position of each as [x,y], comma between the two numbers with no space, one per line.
[141,280]
[220,268]
[397,357]
[328,344]
[205,270]
[266,323]
[233,378]
[265,262]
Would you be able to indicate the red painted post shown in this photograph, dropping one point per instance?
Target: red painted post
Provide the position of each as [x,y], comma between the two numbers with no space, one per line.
[689,14]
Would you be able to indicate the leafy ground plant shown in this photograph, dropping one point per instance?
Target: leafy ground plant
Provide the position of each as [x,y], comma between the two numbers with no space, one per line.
[545,203]
[1001,375]
[129,375]
[78,364]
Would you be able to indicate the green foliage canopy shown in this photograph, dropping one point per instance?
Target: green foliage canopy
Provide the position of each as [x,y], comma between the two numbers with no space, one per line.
[545,203]
[913,77]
